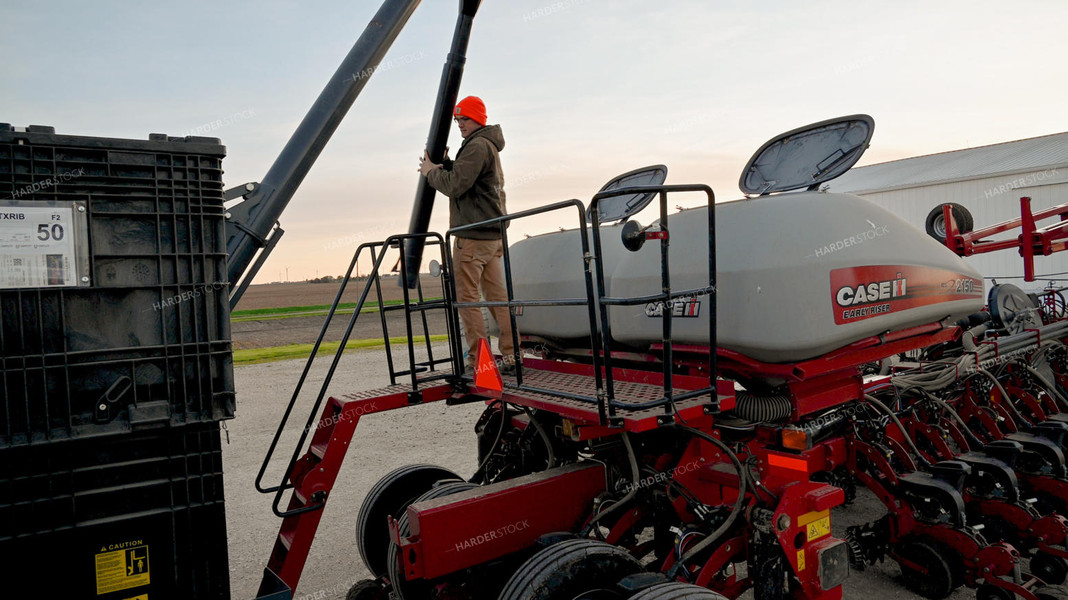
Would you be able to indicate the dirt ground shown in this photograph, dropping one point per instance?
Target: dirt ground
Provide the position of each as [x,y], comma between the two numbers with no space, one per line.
[276,295]
[266,333]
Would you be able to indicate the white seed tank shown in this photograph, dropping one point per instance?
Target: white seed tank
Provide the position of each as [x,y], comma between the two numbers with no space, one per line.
[799,275]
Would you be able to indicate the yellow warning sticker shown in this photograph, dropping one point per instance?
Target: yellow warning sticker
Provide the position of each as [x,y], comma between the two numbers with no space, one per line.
[800,560]
[819,528]
[122,569]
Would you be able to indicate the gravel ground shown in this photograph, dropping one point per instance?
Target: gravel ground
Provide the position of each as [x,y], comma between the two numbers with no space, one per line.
[383,442]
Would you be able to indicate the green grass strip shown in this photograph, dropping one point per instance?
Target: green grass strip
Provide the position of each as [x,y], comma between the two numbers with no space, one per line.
[265,314]
[261,355]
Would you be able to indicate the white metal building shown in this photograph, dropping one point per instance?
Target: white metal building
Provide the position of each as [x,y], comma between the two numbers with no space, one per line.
[988,181]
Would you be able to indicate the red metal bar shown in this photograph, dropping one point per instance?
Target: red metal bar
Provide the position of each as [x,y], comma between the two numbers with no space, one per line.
[952,234]
[466,529]
[1027,248]
[314,474]
[1031,242]
[1060,210]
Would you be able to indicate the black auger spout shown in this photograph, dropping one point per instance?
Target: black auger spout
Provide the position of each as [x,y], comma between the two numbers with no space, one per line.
[448,89]
[252,224]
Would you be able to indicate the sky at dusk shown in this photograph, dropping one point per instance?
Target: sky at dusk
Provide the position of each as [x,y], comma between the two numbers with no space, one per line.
[583,89]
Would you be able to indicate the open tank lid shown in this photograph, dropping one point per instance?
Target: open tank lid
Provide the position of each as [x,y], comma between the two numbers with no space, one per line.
[807,156]
[617,208]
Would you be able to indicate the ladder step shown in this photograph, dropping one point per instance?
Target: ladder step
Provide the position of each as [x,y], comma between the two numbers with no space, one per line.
[318,450]
[286,538]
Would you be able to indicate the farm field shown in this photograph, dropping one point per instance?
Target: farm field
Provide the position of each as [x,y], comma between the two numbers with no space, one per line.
[266,328]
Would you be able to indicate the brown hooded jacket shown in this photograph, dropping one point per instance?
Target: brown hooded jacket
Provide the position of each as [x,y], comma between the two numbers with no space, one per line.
[474,183]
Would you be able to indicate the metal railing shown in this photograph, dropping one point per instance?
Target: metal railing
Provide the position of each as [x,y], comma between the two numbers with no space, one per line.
[597,311]
[512,303]
[378,252]
[666,297]
[598,305]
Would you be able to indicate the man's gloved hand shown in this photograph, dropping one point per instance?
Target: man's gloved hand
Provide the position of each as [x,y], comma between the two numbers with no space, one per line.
[426,165]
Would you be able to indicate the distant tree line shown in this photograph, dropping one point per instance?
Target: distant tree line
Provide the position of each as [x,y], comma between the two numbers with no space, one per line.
[332,279]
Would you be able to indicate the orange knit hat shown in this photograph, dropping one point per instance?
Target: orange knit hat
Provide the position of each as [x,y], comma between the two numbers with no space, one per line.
[473,108]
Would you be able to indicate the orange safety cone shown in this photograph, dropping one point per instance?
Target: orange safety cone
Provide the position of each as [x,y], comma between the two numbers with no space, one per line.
[487,376]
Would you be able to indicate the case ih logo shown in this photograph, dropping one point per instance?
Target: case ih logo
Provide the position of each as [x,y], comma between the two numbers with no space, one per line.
[680,307]
[860,293]
[873,292]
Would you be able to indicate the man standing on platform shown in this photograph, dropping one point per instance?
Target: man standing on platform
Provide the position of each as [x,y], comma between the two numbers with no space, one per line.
[474,183]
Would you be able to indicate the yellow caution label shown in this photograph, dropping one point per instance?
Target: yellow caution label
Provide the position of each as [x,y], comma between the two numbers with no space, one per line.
[819,528]
[569,429]
[800,560]
[817,524]
[122,569]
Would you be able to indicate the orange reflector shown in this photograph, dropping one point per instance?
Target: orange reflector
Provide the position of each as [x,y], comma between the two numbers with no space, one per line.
[788,462]
[486,374]
[794,438]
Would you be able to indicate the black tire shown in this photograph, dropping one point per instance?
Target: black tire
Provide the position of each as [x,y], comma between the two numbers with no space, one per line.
[572,570]
[368,589]
[418,589]
[1049,568]
[939,580]
[989,591]
[936,223]
[1052,592]
[389,497]
[676,590]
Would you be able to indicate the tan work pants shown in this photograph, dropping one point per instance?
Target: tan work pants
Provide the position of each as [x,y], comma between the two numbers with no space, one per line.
[478,264]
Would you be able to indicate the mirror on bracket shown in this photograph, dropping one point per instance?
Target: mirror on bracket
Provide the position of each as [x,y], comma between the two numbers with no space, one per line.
[633,235]
[618,208]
